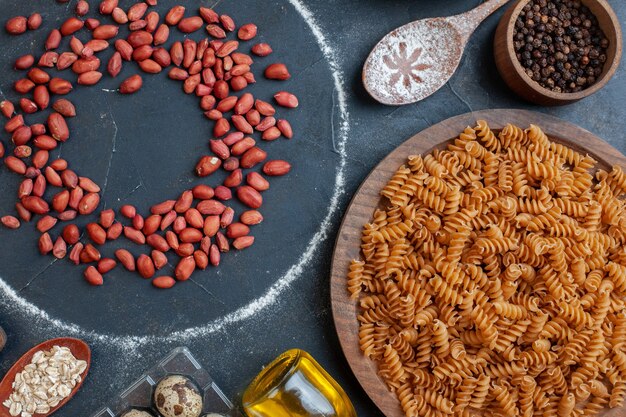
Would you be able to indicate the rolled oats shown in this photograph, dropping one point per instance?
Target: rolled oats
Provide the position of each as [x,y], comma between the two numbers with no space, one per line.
[44,382]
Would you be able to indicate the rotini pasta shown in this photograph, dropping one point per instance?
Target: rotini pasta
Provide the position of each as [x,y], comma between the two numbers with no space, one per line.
[494,282]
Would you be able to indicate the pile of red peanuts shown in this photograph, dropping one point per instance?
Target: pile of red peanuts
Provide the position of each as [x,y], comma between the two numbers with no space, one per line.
[199,225]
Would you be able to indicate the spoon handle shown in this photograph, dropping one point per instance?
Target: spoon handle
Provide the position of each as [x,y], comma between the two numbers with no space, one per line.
[467,22]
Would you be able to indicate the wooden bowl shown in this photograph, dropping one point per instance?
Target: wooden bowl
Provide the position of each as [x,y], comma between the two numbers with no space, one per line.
[367,199]
[514,75]
[79,349]
[3,339]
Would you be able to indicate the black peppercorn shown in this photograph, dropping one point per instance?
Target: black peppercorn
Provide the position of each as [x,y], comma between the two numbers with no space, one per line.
[560,44]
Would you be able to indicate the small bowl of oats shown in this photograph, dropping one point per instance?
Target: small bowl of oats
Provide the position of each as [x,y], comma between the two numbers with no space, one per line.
[44,378]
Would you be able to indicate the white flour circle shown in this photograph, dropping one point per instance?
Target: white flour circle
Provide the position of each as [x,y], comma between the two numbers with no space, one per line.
[130,343]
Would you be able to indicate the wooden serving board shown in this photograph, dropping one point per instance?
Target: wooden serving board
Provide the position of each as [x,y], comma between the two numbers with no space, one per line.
[367,199]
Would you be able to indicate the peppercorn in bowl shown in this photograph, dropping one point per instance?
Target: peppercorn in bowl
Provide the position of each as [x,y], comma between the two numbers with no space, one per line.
[555,52]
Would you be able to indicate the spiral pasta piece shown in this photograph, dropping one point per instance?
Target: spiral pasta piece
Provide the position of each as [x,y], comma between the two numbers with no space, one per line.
[423,408]
[434,167]
[457,243]
[617,180]
[438,401]
[505,176]
[485,324]
[407,399]
[593,217]
[510,311]
[441,338]
[426,316]
[366,338]
[617,394]
[467,161]
[397,181]
[404,195]
[415,163]
[393,266]
[617,274]
[476,150]
[555,380]
[445,292]
[407,310]
[575,315]
[504,399]
[457,349]
[508,337]
[519,185]
[391,367]
[529,302]
[536,136]
[619,358]
[464,394]
[355,278]
[541,170]
[618,338]
[490,169]
[567,404]
[455,370]
[486,135]
[437,185]
[531,358]
[512,134]
[571,353]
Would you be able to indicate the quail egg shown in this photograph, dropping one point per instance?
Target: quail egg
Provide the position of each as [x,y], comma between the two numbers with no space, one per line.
[137,413]
[176,396]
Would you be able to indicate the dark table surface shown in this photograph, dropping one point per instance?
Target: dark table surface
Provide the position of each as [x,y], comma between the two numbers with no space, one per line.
[275,295]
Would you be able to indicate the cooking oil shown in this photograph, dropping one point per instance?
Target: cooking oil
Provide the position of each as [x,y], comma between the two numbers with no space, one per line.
[295,385]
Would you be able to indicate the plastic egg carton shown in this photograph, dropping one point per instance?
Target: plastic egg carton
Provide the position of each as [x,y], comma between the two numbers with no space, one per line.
[180,361]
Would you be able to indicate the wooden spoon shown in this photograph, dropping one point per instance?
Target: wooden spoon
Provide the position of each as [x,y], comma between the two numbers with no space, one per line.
[79,349]
[417,59]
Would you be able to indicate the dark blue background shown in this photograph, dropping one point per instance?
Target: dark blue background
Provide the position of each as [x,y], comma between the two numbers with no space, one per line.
[160,132]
